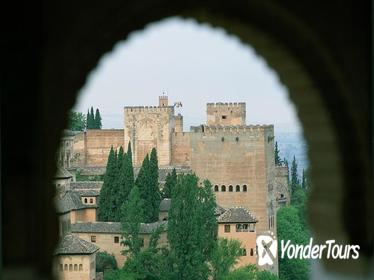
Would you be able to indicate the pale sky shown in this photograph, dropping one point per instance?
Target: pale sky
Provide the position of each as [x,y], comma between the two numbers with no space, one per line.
[193,63]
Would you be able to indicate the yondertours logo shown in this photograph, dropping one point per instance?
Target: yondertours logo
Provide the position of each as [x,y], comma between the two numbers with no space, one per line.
[267,250]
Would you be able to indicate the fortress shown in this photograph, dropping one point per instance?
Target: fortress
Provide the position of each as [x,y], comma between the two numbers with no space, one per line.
[238,159]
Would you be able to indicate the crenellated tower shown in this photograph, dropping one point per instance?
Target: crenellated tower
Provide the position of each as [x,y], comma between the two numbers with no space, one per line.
[226,113]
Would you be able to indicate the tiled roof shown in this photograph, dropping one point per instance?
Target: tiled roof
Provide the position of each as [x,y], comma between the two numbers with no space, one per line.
[237,215]
[86,185]
[219,210]
[71,200]
[73,245]
[112,227]
[62,173]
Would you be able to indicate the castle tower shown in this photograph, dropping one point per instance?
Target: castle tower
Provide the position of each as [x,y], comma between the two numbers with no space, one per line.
[148,127]
[178,123]
[226,113]
[163,101]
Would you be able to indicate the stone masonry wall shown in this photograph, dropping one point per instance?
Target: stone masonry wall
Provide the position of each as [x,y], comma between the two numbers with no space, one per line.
[226,113]
[149,127]
[236,156]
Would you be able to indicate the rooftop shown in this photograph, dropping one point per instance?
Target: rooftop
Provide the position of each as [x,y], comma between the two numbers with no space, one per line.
[86,185]
[71,200]
[73,245]
[113,227]
[62,173]
[237,215]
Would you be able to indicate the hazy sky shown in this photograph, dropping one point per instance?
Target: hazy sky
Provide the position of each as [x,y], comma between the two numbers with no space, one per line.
[192,63]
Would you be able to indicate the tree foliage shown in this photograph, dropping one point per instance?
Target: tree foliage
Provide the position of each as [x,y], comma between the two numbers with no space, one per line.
[107,198]
[132,215]
[147,181]
[295,182]
[191,228]
[77,121]
[105,261]
[93,120]
[277,158]
[170,183]
[225,255]
[290,227]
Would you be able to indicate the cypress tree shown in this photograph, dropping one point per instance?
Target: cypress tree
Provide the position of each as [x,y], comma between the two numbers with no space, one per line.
[170,183]
[106,193]
[92,119]
[142,181]
[155,195]
[129,152]
[131,216]
[88,119]
[303,181]
[120,158]
[277,158]
[294,177]
[97,119]
[125,180]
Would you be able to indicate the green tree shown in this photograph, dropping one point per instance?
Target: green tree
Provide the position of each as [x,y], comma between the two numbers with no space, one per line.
[107,192]
[97,120]
[151,262]
[105,261]
[225,255]
[142,181]
[295,182]
[91,119]
[88,119]
[132,215]
[190,230]
[154,187]
[77,121]
[170,183]
[289,227]
[277,158]
[125,179]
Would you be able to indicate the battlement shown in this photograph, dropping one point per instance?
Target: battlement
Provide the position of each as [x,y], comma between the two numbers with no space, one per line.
[229,129]
[225,104]
[179,116]
[132,109]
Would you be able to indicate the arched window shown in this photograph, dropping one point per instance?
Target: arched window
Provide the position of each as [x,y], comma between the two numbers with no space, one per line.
[237,188]
[75,267]
[80,267]
[216,188]
[91,200]
[223,139]
[244,252]
[244,188]
[251,253]
[65,267]
[230,188]
[70,267]
[223,188]
[85,200]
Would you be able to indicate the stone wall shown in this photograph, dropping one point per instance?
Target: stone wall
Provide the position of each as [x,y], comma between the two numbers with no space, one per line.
[92,147]
[181,149]
[147,128]
[75,267]
[282,194]
[234,157]
[247,240]
[226,113]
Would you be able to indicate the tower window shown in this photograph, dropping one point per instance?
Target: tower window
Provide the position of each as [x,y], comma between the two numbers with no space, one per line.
[85,200]
[237,188]
[244,188]
[91,200]
[223,139]
[237,139]
[251,253]
[244,252]
[223,188]
[224,117]
[230,188]
[216,188]
[227,228]
[93,238]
